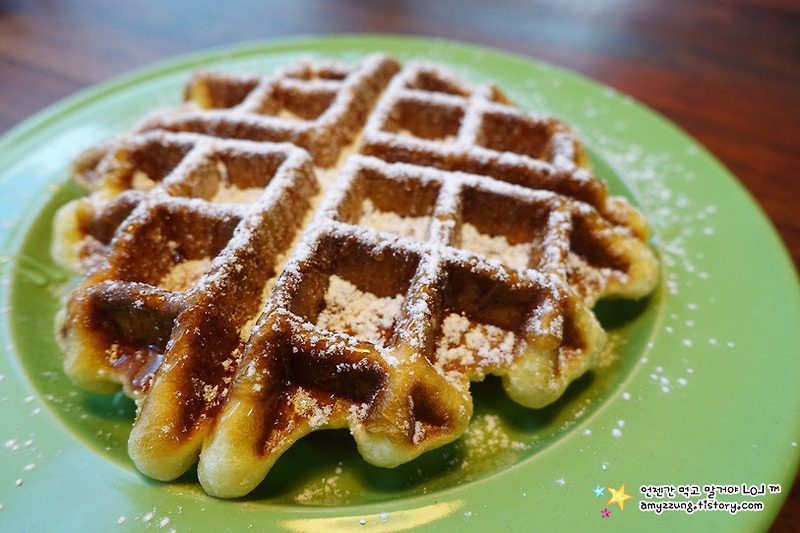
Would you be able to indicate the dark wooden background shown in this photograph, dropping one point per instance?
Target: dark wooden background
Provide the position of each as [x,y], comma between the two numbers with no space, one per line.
[727,71]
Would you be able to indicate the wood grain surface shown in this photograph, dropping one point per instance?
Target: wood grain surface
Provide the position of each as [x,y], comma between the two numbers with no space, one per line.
[726,71]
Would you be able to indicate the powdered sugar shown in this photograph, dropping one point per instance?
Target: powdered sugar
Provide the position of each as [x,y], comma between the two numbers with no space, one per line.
[495,247]
[309,408]
[465,344]
[328,490]
[231,194]
[361,314]
[407,226]
[485,437]
[185,275]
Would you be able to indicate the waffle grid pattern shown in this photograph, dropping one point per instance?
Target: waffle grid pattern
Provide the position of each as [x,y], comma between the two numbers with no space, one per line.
[206,282]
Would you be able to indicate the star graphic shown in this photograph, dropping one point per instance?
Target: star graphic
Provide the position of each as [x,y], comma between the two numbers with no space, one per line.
[598,490]
[606,513]
[618,496]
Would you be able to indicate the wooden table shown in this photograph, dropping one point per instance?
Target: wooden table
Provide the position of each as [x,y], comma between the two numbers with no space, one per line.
[727,71]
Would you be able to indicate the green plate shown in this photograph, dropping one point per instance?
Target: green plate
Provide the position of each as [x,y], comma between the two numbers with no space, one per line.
[698,387]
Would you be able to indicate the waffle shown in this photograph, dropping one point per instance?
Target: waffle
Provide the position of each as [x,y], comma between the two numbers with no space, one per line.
[430,118]
[279,288]
[320,107]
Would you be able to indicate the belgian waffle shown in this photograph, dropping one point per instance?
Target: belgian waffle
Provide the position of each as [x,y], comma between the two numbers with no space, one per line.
[212,277]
